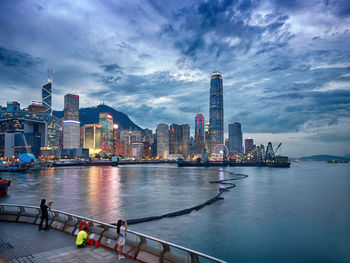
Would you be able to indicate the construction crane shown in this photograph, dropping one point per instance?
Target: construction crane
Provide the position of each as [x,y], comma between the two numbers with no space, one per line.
[277,148]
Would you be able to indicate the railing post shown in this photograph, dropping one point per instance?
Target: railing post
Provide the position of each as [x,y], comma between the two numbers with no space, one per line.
[21,210]
[142,241]
[166,249]
[194,258]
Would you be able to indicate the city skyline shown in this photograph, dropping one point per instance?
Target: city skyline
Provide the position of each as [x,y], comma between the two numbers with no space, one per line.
[286,73]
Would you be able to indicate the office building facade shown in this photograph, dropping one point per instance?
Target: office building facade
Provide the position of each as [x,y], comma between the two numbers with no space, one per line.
[179,140]
[235,138]
[249,145]
[29,128]
[71,124]
[93,138]
[199,135]
[71,134]
[71,107]
[106,121]
[46,97]
[162,141]
[216,110]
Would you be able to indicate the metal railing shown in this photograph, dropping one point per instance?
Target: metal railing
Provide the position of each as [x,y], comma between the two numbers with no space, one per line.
[138,246]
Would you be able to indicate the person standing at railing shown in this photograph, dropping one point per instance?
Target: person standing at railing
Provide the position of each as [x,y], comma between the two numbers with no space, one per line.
[50,213]
[44,215]
[121,230]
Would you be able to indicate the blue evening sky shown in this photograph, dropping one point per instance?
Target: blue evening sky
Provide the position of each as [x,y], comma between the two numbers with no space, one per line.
[285,64]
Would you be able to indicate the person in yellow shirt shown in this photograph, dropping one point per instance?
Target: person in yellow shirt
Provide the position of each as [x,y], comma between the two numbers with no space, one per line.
[82,237]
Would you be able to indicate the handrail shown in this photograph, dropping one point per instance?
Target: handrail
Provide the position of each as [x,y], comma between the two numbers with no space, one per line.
[162,242]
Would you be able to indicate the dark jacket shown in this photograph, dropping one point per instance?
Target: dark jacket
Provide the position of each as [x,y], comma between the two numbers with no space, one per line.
[44,212]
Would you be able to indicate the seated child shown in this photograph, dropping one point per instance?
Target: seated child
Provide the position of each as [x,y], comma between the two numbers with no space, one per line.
[82,237]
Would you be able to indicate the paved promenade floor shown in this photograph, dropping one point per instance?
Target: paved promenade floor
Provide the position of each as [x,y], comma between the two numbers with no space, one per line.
[24,243]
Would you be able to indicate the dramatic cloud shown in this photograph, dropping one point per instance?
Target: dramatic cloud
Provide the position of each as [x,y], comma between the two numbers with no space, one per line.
[285,64]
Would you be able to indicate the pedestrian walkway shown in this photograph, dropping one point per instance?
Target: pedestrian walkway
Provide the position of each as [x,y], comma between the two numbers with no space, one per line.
[24,243]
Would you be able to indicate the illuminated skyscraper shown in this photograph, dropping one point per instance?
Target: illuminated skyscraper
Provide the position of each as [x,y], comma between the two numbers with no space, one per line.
[71,124]
[46,97]
[249,145]
[71,134]
[199,125]
[199,134]
[207,140]
[13,106]
[71,107]
[179,139]
[235,138]
[106,121]
[93,138]
[162,141]
[216,111]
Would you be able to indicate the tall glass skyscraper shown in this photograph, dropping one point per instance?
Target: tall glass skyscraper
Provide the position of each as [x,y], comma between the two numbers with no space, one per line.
[162,141]
[216,110]
[71,107]
[199,125]
[199,135]
[106,121]
[71,124]
[46,97]
[235,138]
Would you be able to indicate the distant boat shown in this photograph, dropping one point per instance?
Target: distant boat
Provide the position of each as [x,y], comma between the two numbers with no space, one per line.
[332,161]
[4,184]
[335,161]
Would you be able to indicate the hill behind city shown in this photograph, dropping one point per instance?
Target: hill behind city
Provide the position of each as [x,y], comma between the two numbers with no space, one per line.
[323,158]
[91,115]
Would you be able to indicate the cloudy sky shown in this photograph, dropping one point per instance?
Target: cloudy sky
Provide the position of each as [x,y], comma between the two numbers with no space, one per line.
[285,64]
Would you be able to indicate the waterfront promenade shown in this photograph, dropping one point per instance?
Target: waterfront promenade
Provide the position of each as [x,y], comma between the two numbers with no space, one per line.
[24,243]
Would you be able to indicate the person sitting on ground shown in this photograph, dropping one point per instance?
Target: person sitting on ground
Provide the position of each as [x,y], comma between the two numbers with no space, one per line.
[82,237]
[121,230]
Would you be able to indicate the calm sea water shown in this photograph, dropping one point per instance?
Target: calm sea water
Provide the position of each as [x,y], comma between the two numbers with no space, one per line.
[301,214]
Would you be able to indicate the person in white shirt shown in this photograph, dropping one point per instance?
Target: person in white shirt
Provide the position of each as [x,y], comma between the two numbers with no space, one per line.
[121,230]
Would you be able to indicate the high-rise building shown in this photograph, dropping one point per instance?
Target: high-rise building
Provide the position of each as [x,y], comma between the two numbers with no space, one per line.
[93,138]
[199,135]
[128,138]
[46,97]
[71,124]
[216,111]
[235,138]
[13,106]
[115,139]
[36,107]
[71,134]
[39,130]
[249,145]
[174,138]
[199,125]
[162,141]
[71,107]
[138,150]
[179,139]
[207,139]
[106,121]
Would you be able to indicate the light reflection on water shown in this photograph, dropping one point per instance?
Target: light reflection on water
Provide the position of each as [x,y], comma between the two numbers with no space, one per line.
[300,214]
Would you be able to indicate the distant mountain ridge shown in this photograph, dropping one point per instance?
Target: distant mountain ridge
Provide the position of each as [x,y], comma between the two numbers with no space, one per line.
[91,115]
[323,158]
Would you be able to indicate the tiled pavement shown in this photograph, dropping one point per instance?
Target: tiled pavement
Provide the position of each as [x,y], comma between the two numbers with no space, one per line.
[24,243]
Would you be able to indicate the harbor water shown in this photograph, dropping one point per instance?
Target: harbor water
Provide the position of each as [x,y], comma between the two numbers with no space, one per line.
[300,214]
